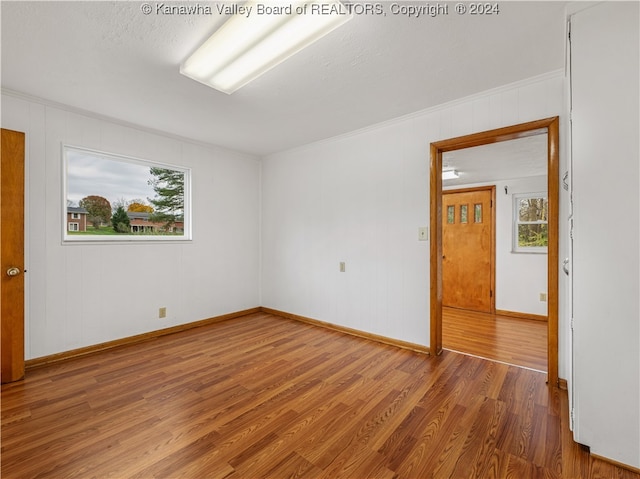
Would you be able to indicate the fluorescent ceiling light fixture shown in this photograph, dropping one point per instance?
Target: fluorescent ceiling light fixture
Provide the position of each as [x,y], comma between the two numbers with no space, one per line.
[450,174]
[259,37]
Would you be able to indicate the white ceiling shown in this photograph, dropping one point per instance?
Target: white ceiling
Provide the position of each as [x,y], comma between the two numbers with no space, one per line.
[507,160]
[111,59]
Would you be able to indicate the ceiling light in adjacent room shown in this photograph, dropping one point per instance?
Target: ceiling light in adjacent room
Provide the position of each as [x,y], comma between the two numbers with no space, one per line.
[450,174]
[262,36]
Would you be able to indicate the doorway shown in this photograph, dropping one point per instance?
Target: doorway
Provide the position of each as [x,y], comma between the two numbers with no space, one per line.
[550,126]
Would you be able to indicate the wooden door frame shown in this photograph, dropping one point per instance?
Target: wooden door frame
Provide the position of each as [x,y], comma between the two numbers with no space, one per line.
[550,126]
[492,265]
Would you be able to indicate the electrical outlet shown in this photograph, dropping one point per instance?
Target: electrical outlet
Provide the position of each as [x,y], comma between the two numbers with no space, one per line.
[162,313]
[342,266]
[543,296]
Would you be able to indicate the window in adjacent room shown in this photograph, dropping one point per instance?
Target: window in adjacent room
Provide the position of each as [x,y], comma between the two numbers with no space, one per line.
[530,228]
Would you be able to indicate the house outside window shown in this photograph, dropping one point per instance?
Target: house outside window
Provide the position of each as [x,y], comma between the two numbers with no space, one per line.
[76,219]
[530,223]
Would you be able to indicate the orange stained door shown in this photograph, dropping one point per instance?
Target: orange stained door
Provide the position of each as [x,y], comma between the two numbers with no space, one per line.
[468,262]
[12,255]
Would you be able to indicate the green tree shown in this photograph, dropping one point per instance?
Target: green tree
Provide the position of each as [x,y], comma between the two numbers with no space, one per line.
[99,209]
[168,204]
[120,221]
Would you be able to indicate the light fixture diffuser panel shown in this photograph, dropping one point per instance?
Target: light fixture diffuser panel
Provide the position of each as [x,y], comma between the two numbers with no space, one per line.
[247,46]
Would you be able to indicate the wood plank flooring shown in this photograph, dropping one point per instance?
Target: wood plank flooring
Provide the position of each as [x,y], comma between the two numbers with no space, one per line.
[522,342]
[267,397]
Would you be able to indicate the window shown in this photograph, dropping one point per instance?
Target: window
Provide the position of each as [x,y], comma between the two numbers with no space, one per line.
[123,198]
[463,213]
[530,228]
[477,213]
[451,214]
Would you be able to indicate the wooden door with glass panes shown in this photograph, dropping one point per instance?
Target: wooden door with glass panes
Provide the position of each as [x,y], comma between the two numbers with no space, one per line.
[468,261]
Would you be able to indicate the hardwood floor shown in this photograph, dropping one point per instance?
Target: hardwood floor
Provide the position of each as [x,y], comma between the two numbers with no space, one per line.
[522,342]
[263,396]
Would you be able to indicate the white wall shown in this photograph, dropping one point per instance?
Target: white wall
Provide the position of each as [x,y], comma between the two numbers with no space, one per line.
[360,198]
[606,157]
[80,295]
[520,277]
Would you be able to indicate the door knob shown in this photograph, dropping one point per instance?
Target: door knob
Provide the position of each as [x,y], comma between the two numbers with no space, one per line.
[13,271]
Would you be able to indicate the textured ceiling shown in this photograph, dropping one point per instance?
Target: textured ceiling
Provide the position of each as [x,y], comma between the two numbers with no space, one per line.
[506,160]
[111,59]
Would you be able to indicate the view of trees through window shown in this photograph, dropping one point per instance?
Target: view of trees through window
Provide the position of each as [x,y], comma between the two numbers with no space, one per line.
[113,197]
[531,222]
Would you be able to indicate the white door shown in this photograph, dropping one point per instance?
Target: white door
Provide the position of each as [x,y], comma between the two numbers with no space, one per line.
[606,249]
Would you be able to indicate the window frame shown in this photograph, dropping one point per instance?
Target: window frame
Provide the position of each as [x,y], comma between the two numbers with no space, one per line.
[124,238]
[516,248]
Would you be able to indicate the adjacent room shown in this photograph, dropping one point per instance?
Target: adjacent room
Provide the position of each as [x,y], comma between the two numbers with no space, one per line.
[495,241]
[320,239]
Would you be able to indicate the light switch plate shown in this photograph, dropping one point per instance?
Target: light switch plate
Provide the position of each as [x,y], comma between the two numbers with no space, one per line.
[423,233]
